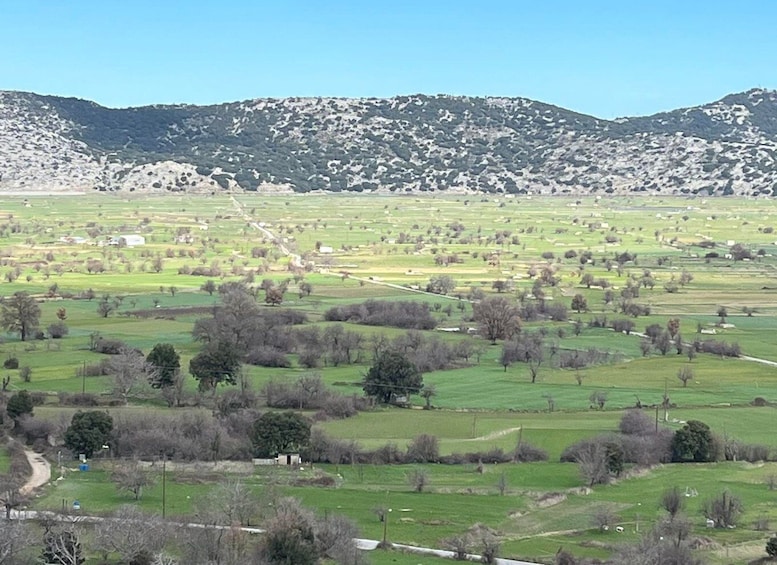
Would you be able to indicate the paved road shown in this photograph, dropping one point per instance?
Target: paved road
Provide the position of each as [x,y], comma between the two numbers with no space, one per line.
[362,544]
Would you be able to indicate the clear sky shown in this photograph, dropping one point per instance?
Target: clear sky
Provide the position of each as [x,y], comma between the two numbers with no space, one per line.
[606,58]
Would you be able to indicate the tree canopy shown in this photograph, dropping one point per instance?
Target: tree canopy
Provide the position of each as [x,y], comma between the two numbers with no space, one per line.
[279,432]
[19,405]
[165,362]
[20,313]
[693,443]
[88,432]
[392,375]
[217,364]
[497,316]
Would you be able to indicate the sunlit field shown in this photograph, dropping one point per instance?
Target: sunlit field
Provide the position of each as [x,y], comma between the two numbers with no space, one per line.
[353,248]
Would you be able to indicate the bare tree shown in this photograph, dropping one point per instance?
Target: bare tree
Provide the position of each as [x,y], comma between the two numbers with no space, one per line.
[604,516]
[685,374]
[174,394]
[62,543]
[335,536]
[724,509]
[213,543]
[131,534]
[497,316]
[459,545]
[20,313]
[489,547]
[10,493]
[129,370]
[132,478]
[675,528]
[418,479]
[15,538]
[598,398]
[234,502]
[591,459]
[501,484]
[524,348]
[427,393]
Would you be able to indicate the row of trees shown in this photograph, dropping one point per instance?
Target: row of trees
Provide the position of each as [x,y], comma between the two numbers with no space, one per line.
[293,534]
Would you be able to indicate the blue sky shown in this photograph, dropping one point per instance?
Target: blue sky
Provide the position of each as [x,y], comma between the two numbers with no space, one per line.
[606,58]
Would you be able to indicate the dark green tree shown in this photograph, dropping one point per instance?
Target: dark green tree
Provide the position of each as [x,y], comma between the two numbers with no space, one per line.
[88,432]
[279,432]
[20,313]
[392,375]
[166,363]
[579,303]
[290,536]
[693,443]
[771,547]
[19,405]
[218,363]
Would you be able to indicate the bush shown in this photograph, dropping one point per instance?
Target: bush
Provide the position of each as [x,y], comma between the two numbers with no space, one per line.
[25,373]
[424,448]
[98,369]
[86,399]
[636,422]
[721,348]
[492,456]
[771,547]
[58,330]
[526,453]
[11,363]
[38,398]
[109,346]
[268,357]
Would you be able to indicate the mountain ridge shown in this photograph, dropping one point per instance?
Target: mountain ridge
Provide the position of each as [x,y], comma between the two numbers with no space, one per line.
[399,144]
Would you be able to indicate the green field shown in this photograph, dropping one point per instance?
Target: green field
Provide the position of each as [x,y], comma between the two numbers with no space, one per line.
[387,248]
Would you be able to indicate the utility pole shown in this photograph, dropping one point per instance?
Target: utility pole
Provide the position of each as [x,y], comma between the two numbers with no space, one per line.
[83,379]
[385,527]
[164,485]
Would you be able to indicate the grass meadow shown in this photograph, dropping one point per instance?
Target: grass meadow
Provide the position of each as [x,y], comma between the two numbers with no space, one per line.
[387,248]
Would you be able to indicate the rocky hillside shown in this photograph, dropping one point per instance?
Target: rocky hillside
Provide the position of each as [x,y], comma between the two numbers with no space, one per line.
[407,143]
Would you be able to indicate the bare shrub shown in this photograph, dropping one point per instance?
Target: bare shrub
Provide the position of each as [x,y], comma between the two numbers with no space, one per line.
[672,501]
[636,422]
[724,509]
[604,516]
[418,479]
[424,448]
[459,545]
[526,452]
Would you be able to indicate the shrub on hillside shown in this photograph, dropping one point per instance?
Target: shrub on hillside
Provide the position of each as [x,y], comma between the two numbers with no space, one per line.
[109,346]
[268,357]
[400,314]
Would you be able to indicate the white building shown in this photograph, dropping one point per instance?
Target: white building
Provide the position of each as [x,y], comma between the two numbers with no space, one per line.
[129,240]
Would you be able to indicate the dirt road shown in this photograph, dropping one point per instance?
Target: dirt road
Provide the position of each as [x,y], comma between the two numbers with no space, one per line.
[41,472]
